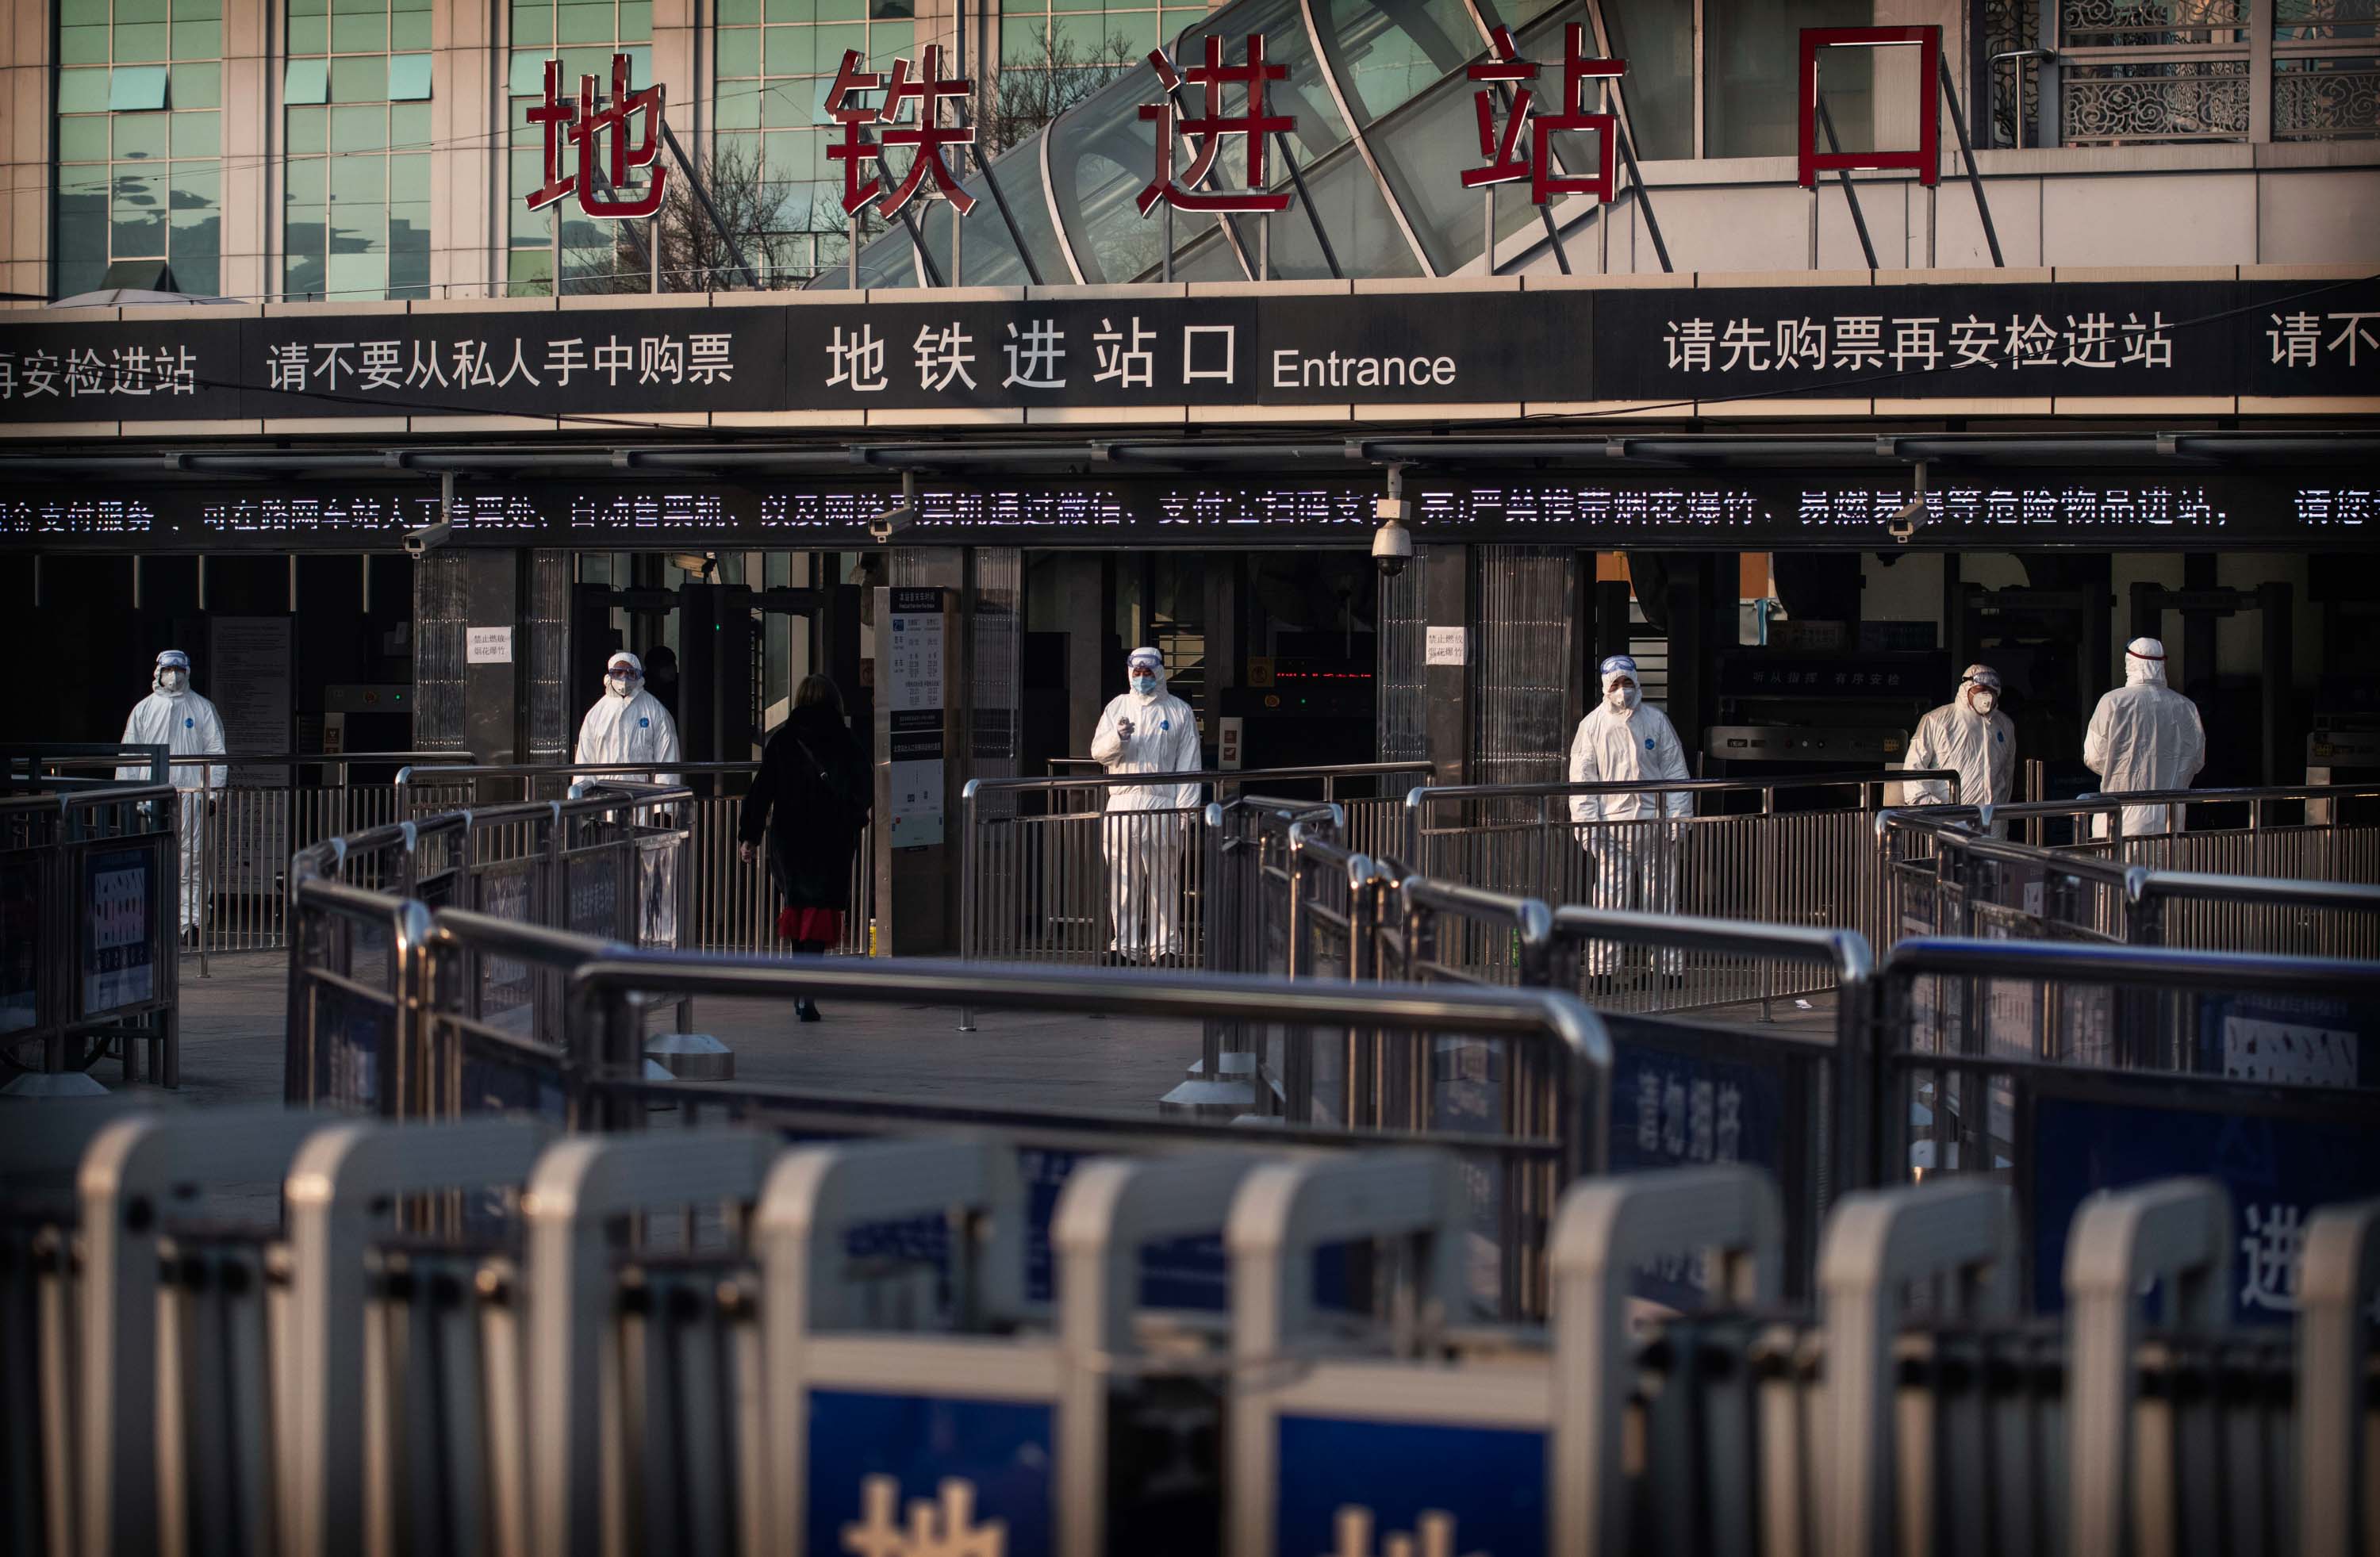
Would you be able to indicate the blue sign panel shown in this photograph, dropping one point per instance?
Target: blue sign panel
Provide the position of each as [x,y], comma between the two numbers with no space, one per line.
[891,1473]
[349,1033]
[119,896]
[1379,1486]
[1671,1109]
[494,1082]
[2301,1040]
[2279,1167]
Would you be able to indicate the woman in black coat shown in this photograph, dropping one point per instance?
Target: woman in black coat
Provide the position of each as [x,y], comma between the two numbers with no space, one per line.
[811,799]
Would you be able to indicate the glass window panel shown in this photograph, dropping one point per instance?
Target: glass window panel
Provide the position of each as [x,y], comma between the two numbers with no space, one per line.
[309,130]
[309,7]
[198,263]
[587,24]
[1100,157]
[196,86]
[409,227]
[1024,41]
[361,228]
[306,81]
[142,135]
[1423,153]
[408,179]
[148,41]
[409,30]
[1138,30]
[198,135]
[1092,5]
[82,91]
[82,45]
[306,228]
[1749,55]
[309,35]
[409,78]
[738,10]
[528,273]
[785,103]
[832,41]
[198,10]
[359,129]
[1390,53]
[793,10]
[1518,14]
[1349,203]
[842,10]
[357,181]
[637,20]
[740,50]
[408,273]
[409,125]
[83,139]
[301,275]
[533,26]
[357,8]
[83,12]
[1304,95]
[355,35]
[140,11]
[888,39]
[525,225]
[892,10]
[737,107]
[791,51]
[356,273]
[363,79]
[1850,80]
[302,180]
[410,5]
[585,62]
[527,76]
[197,40]
[641,64]
[136,211]
[1656,39]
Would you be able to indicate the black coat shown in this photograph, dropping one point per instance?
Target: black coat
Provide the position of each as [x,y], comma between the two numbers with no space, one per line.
[811,797]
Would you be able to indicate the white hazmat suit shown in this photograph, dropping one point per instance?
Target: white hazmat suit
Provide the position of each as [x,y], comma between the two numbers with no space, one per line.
[1970,735]
[1633,838]
[628,724]
[1142,836]
[173,716]
[2144,735]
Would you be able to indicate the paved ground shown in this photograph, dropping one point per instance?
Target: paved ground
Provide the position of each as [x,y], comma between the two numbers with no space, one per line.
[232,1046]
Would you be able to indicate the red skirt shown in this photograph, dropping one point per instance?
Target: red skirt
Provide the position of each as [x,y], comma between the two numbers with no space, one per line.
[810,924]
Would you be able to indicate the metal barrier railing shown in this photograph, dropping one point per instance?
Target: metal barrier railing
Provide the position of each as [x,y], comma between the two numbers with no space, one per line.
[866,1347]
[1945,874]
[1780,850]
[1048,873]
[89,885]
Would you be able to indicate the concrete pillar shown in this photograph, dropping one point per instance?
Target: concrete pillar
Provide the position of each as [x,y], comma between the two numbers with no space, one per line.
[491,694]
[251,146]
[27,125]
[469,115]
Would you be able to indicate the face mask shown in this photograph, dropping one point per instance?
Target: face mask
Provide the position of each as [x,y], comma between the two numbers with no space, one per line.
[173,680]
[1985,702]
[622,687]
[1623,696]
[1145,685]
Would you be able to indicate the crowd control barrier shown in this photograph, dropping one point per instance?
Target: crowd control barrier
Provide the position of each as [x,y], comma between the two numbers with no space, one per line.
[1049,873]
[1945,874]
[1788,851]
[88,935]
[808,1367]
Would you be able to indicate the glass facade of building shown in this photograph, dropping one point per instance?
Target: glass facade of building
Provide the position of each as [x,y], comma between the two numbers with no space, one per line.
[355,114]
[583,35]
[140,139]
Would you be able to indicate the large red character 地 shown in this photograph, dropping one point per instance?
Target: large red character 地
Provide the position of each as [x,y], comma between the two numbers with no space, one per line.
[582,123]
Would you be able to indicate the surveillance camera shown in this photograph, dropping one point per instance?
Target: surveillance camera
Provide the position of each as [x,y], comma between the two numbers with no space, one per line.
[1391,544]
[1903,524]
[892,522]
[429,537]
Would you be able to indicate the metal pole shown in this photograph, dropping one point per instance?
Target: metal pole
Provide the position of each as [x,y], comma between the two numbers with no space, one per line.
[702,196]
[1974,178]
[1859,221]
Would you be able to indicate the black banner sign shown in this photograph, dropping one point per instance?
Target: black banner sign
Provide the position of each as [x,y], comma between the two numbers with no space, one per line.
[2000,509]
[1430,345]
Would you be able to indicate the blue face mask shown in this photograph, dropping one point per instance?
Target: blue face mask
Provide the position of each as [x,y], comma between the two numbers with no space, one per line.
[1144,685]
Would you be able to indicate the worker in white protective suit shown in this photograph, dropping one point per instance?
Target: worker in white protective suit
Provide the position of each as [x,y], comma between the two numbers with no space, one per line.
[1970,735]
[173,716]
[628,724]
[2144,735]
[1633,838]
[1146,730]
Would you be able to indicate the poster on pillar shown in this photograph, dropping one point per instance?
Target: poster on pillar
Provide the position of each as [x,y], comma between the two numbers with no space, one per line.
[912,680]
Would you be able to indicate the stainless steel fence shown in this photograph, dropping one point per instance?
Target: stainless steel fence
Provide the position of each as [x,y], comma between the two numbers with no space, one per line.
[714,1340]
[89,893]
[1049,875]
[1945,874]
[1780,850]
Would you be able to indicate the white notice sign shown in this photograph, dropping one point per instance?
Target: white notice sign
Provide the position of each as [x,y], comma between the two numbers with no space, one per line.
[1444,647]
[488,645]
[917,655]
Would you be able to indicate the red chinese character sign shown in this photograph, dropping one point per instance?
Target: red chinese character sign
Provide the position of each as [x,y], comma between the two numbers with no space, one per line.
[609,120]
[926,136]
[1887,43]
[1506,161]
[1206,131]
